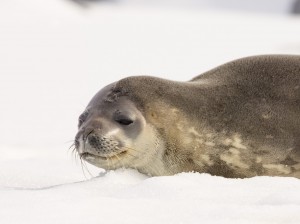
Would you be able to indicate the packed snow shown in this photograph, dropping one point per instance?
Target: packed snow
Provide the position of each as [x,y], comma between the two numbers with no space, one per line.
[55,55]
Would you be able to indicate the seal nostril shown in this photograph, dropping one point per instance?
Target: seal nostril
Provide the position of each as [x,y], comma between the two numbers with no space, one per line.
[86,133]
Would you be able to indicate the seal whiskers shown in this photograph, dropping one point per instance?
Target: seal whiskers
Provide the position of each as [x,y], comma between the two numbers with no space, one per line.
[119,160]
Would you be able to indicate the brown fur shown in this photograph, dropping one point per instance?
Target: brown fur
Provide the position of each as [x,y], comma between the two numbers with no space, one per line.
[240,119]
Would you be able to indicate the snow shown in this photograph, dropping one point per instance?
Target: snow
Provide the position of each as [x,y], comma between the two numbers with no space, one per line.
[55,56]
[125,196]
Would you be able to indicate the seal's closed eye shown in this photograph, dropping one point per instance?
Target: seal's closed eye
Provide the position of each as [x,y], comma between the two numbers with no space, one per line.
[123,120]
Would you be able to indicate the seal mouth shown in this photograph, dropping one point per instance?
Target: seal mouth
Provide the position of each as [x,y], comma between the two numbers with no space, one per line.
[87,155]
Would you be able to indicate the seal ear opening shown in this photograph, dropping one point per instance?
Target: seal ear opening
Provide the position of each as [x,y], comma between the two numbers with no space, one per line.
[153,115]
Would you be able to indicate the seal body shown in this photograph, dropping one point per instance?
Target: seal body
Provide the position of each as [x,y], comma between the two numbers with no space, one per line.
[241,119]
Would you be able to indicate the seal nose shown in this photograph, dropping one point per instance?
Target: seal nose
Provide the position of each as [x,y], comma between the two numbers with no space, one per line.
[86,132]
[77,139]
[82,135]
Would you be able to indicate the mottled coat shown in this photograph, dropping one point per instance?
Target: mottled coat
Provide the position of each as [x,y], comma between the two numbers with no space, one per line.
[240,119]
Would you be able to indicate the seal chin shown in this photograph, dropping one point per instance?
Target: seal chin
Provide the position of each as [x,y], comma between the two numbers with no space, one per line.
[89,156]
[109,161]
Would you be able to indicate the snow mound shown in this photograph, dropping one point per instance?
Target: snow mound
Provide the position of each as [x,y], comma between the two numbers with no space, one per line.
[125,196]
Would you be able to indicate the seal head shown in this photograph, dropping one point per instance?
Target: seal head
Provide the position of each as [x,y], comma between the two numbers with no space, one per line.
[113,132]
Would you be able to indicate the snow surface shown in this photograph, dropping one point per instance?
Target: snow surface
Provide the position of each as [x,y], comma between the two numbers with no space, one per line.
[55,56]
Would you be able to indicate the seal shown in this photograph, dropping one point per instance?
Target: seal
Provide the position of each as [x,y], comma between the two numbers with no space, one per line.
[241,119]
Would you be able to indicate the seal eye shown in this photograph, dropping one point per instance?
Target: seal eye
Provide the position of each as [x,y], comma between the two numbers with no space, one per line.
[124,120]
